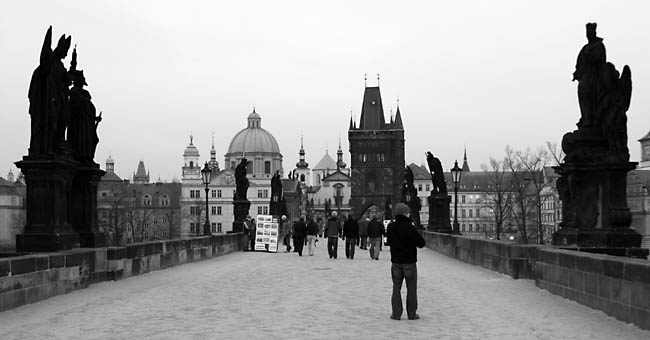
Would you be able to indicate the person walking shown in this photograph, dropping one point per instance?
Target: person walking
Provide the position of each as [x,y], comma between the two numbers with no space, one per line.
[350,235]
[312,232]
[375,234]
[333,232]
[299,235]
[403,239]
[363,233]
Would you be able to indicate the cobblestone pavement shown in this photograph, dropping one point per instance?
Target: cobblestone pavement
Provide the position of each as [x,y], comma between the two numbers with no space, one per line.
[284,296]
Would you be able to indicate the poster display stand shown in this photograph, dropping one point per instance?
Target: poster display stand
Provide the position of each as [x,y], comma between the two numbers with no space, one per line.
[266,236]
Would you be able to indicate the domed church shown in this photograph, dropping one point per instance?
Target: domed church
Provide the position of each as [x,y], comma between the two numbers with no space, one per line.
[258,146]
[261,150]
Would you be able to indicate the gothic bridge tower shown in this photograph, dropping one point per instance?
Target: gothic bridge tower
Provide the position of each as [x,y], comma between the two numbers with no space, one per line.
[377,158]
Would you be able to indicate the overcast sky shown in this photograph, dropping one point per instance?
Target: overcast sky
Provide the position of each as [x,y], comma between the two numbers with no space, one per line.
[481,74]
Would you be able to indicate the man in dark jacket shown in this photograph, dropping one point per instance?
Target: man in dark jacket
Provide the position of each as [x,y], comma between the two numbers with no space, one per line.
[375,234]
[350,234]
[312,232]
[299,234]
[403,239]
[333,231]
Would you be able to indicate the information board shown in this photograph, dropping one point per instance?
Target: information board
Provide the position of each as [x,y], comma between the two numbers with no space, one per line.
[266,236]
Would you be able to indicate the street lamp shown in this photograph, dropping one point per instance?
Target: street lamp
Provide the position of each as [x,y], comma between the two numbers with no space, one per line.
[455,178]
[205,178]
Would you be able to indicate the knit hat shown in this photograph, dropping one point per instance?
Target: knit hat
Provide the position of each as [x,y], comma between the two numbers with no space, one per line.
[402,209]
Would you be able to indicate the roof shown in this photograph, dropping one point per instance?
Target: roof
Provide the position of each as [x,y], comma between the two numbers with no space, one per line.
[141,172]
[327,162]
[419,172]
[372,110]
[337,176]
[253,139]
[8,188]
[111,177]
[647,136]
[398,121]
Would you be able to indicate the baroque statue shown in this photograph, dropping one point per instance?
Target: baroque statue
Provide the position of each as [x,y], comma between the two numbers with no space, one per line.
[437,175]
[48,97]
[82,132]
[241,181]
[604,98]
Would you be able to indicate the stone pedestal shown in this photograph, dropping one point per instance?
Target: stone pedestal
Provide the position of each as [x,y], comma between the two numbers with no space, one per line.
[592,187]
[439,220]
[83,207]
[49,184]
[241,208]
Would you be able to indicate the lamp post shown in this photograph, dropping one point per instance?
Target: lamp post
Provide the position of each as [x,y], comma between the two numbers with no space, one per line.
[455,178]
[205,177]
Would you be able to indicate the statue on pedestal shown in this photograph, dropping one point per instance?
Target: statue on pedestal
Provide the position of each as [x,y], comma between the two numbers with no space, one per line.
[410,195]
[241,181]
[437,175]
[48,98]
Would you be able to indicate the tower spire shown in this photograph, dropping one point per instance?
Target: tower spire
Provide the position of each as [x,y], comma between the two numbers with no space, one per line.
[365,80]
[465,165]
[377,79]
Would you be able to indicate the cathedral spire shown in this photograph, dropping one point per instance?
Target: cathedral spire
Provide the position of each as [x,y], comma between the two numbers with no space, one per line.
[302,164]
[465,165]
[339,157]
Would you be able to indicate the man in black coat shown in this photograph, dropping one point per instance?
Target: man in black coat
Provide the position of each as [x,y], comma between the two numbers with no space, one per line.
[299,235]
[375,234]
[350,235]
[403,239]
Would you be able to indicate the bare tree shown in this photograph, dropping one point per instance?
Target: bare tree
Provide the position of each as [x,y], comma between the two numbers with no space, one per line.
[498,191]
[194,214]
[526,168]
[116,205]
[556,153]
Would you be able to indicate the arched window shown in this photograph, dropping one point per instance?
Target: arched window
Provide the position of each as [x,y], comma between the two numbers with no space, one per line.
[191,164]
[302,177]
[146,199]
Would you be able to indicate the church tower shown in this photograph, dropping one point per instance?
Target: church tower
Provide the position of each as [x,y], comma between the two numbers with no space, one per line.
[302,171]
[191,166]
[376,158]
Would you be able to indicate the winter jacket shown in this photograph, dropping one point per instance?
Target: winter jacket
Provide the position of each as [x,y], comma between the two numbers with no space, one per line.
[375,228]
[350,228]
[299,229]
[312,228]
[403,239]
[333,227]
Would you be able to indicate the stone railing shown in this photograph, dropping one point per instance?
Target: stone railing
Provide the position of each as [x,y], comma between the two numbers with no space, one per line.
[618,286]
[515,260]
[34,277]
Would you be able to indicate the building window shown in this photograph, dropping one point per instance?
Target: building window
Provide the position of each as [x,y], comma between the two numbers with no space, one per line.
[470,227]
[427,187]
[218,193]
[265,210]
[471,213]
[146,200]
[191,164]
[462,213]
[259,193]
[218,210]
[478,214]
[462,198]
[195,193]
[233,165]
[259,211]
[213,210]
[302,177]
[155,221]
[213,227]
[419,187]
[191,227]
[219,230]
[462,227]
[265,193]
[214,193]
[267,167]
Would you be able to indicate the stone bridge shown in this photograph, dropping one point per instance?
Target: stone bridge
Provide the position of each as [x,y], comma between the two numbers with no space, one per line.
[467,289]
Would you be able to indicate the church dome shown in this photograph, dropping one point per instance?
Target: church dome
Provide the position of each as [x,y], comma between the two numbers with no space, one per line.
[191,150]
[253,139]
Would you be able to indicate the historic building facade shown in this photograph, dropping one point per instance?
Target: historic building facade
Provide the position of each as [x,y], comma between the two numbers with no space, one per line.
[262,151]
[12,211]
[376,157]
[136,212]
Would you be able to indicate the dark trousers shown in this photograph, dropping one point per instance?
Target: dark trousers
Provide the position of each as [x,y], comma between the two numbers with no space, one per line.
[252,241]
[400,272]
[332,246]
[350,244]
[298,243]
[364,242]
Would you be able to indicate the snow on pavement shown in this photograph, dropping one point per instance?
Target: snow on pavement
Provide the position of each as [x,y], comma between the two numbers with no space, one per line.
[284,296]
